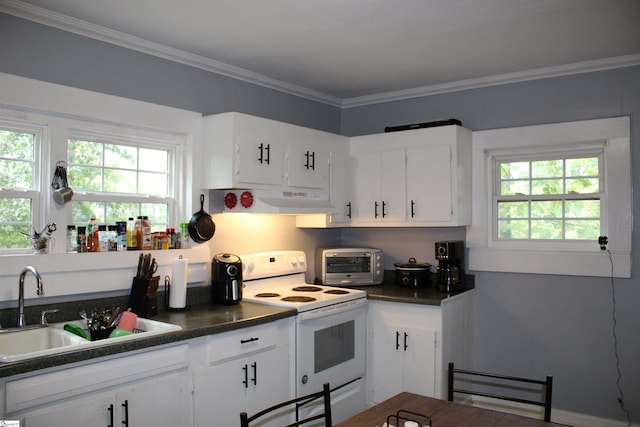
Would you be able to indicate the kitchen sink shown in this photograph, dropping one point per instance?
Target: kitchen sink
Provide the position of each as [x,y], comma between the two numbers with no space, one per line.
[54,339]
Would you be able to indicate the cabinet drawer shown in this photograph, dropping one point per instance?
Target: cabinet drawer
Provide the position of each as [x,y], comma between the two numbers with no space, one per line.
[243,341]
[76,380]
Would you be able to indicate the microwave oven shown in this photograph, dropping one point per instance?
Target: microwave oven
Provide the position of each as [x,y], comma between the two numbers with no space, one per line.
[341,266]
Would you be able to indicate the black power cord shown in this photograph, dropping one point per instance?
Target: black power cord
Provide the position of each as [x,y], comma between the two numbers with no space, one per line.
[602,241]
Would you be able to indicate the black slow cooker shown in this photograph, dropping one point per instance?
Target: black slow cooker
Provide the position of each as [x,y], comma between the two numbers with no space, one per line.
[413,274]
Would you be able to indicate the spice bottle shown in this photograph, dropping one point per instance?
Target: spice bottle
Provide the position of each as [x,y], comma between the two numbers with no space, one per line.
[82,239]
[147,238]
[103,238]
[93,242]
[112,237]
[72,239]
[138,229]
[121,235]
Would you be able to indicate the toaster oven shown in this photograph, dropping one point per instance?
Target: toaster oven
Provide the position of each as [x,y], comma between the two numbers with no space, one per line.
[342,266]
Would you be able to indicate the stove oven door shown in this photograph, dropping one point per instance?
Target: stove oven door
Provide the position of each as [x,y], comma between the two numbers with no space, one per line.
[331,348]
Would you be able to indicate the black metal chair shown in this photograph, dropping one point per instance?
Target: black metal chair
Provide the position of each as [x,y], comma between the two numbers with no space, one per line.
[298,401]
[484,381]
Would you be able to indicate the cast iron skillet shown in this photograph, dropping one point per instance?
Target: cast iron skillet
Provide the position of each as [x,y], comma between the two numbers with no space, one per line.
[201,225]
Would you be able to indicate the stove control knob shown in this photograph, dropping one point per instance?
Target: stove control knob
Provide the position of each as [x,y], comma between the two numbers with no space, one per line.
[301,259]
[294,260]
[305,379]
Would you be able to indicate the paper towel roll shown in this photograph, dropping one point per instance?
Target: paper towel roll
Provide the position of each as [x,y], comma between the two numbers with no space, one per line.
[178,289]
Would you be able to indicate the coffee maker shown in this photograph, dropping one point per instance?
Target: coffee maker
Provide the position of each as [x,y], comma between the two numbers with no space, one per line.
[450,270]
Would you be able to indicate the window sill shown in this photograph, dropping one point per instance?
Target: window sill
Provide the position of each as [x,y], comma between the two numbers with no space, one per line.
[597,264]
[67,274]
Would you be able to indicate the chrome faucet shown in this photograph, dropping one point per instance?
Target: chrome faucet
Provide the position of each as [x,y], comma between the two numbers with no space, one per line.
[39,291]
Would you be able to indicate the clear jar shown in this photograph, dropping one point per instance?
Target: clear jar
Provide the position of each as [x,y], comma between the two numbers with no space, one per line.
[72,239]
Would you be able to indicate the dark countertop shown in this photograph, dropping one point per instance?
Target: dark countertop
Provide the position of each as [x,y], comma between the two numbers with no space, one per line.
[200,320]
[209,319]
[428,295]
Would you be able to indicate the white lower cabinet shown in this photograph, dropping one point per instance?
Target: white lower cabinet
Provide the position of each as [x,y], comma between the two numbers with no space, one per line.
[247,370]
[149,403]
[410,345]
[139,389]
[404,360]
[247,384]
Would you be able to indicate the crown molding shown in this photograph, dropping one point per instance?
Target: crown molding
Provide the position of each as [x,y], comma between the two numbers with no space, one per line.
[499,79]
[83,28]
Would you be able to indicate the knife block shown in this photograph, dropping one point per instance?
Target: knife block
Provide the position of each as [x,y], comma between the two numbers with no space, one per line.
[143,299]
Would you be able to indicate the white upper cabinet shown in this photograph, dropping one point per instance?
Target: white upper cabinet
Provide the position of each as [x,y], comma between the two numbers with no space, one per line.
[413,178]
[379,190]
[243,151]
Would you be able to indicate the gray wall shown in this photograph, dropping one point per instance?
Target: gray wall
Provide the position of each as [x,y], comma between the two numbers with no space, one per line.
[525,324]
[43,53]
[537,324]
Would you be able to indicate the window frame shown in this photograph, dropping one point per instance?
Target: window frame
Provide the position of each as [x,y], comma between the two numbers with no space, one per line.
[166,141]
[555,257]
[581,150]
[39,182]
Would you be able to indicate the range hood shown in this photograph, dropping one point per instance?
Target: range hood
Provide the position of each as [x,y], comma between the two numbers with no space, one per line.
[269,201]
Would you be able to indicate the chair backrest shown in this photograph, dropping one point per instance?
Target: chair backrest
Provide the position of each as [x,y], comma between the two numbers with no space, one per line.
[500,381]
[325,394]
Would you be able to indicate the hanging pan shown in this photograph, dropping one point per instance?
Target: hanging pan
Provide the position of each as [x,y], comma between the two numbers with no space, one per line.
[201,225]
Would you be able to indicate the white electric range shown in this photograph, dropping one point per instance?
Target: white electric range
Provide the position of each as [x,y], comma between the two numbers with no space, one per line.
[330,327]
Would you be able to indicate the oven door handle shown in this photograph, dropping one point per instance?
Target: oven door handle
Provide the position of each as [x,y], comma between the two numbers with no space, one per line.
[332,309]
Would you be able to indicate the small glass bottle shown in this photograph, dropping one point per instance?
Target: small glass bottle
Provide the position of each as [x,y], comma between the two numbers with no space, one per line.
[138,229]
[121,233]
[171,234]
[82,239]
[93,242]
[72,239]
[132,238]
[103,238]
[112,237]
[147,238]
[185,242]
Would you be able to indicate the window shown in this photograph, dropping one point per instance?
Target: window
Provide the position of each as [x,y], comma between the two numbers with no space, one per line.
[543,195]
[548,198]
[19,184]
[116,178]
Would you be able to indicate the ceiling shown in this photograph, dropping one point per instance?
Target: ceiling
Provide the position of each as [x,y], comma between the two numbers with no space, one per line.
[358,50]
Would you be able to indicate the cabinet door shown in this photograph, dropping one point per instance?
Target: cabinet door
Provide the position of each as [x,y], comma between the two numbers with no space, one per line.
[259,160]
[403,360]
[339,188]
[248,384]
[153,403]
[429,184]
[308,167]
[366,188]
[379,188]
[393,193]
[98,411]
[419,361]
[386,363]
